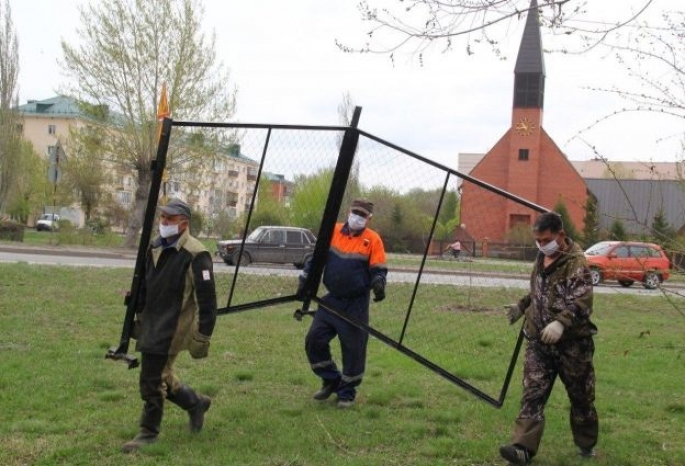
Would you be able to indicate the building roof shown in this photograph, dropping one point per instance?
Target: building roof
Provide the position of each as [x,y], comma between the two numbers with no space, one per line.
[620,169]
[630,170]
[60,105]
[636,202]
[234,150]
[530,57]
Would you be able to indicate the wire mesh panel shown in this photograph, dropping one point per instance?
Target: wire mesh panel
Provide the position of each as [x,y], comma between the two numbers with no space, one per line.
[278,228]
[452,304]
[443,309]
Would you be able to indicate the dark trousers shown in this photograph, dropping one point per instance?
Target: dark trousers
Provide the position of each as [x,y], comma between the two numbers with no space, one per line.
[152,390]
[572,361]
[353,343]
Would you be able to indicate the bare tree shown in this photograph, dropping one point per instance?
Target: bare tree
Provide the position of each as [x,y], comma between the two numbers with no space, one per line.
[128,48]
[416,25]
[10,146]
[345,111]
[83,168]
[653,57]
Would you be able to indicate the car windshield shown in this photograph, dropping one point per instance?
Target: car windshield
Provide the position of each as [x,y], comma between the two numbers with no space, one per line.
[255,235]
[599,249]
[46,217]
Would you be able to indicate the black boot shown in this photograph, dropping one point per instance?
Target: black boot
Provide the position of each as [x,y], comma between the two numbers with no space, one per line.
[150,420]
[196,406]
[327,389]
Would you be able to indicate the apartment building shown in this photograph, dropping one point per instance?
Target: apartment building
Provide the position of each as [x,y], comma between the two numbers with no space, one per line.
[228,185]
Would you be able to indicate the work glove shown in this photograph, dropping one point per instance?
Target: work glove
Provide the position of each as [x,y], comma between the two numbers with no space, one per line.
[552,333]
[513,312]
[378,288]
[136,329]
[299,294]
[198,346]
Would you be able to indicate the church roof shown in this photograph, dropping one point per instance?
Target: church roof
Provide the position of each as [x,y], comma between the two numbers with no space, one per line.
[530,56]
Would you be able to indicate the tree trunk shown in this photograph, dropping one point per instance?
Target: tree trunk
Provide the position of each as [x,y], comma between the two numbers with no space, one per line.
[135,221]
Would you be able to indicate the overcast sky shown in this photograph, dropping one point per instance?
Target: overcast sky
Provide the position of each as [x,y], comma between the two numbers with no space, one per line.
[283,59]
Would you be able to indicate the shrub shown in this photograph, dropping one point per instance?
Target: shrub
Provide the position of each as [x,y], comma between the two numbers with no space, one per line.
[11,230]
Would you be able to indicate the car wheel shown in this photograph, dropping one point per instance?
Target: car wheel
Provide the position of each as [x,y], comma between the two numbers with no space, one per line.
[651,281]
[300,265]
[227,260]
[244,259]
[596,276]
[625,283]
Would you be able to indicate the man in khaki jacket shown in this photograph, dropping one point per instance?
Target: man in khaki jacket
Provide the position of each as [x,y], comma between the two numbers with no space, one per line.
[177,312]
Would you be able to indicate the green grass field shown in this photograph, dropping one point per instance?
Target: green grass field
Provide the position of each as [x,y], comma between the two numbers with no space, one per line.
[63,403]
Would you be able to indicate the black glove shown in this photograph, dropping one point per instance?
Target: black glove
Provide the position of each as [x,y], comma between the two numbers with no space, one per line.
[378,288]
[299,294]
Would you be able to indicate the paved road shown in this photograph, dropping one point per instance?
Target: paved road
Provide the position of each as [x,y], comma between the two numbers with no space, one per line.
[91,257]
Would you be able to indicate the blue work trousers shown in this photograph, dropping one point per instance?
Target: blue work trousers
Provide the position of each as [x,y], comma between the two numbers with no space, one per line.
[353,342]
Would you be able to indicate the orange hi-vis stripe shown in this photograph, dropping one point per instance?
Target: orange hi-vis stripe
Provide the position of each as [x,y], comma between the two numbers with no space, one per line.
[367,245]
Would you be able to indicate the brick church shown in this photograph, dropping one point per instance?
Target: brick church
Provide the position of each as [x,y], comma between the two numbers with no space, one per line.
[525,161]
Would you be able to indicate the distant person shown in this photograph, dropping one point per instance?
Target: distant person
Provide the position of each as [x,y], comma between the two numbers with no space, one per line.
[455,249]
[177,312]
[355,265]
[560,342]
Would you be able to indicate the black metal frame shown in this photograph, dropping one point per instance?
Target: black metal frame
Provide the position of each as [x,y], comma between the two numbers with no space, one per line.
[341,175]
[157,166]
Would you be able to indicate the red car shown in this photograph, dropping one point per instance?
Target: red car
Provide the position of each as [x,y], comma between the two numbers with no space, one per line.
[628,262]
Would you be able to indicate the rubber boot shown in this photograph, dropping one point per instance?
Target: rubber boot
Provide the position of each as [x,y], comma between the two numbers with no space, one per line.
[196,406]
[150,420]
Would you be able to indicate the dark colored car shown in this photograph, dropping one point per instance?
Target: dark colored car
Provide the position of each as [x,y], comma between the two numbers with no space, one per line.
[275,244]
[628,262]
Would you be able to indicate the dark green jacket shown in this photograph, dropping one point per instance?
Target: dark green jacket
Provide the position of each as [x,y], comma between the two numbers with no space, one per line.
[178,296]
[563,292]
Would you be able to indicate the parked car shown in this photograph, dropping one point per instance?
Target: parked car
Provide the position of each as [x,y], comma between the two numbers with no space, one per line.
[628,262]
[275,244]
[48,222]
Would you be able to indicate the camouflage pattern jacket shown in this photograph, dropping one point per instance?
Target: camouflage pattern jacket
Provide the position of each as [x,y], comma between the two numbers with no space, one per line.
[563,292]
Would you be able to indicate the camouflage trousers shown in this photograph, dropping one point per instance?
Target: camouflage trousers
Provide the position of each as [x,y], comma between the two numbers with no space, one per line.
[571,360]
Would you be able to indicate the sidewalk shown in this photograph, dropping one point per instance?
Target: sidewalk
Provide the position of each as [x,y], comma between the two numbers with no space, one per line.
[75,250]
[69,250]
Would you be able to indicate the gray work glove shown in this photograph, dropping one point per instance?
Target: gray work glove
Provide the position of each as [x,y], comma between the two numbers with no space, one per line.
[513,312]
[198,346]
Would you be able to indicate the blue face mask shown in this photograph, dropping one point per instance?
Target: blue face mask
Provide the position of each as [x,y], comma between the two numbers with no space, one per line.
[356,222]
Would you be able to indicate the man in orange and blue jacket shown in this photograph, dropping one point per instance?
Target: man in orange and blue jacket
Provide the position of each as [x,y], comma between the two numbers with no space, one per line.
[355,266]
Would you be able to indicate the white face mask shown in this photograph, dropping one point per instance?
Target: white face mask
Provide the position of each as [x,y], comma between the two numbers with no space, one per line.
[548,249]
[165,231]
[355,222]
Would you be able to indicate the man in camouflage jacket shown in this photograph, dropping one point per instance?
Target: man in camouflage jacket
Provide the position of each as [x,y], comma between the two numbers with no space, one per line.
[559,332]
[177,312]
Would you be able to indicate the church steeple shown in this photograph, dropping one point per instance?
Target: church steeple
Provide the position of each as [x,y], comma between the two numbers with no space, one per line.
[529,72]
